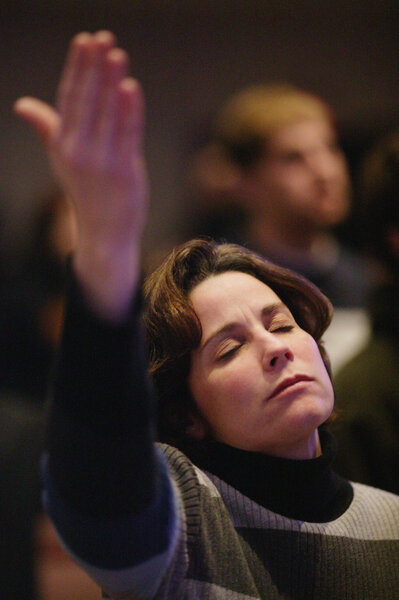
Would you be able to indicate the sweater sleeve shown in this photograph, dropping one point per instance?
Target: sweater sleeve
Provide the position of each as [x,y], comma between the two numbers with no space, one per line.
[107,488]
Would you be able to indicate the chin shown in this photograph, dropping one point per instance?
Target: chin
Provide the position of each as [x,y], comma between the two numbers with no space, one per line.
[310,419]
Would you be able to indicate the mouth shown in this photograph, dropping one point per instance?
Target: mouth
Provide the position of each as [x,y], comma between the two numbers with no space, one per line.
[287,383]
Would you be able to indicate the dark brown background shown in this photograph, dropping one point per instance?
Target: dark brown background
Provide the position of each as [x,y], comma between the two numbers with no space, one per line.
[190,56]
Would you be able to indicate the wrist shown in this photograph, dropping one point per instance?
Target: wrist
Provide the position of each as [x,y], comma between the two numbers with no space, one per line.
[109,278]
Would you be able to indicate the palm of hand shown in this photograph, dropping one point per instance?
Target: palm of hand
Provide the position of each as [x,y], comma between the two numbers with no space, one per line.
[94,137]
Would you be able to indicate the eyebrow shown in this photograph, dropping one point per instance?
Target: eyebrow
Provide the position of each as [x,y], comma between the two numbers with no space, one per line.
[230,327]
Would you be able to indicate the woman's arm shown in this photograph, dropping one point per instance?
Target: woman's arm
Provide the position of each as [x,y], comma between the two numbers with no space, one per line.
[107,489]
[94,142]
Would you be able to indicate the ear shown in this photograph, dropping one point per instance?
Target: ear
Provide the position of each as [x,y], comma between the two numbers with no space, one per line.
[215,171]
[197,429]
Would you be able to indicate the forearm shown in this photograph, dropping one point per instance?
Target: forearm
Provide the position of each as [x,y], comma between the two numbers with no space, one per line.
[100,434]
[107,488]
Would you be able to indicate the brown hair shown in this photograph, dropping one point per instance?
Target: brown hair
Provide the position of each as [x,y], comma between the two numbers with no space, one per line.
[174,329]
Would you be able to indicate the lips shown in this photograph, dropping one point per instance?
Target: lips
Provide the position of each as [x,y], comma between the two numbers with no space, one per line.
[290,381]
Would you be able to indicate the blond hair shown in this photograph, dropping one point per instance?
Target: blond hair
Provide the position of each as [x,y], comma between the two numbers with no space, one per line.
[250,117]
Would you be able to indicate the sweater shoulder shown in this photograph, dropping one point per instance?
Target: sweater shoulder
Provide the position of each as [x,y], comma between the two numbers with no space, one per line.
[367,495]
[373,514]
[198,494]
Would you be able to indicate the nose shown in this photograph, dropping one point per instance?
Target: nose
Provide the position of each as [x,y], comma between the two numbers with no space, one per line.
[276,352]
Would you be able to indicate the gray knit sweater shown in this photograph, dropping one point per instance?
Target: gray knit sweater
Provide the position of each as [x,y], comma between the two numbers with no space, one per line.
[143,518]
[229,547]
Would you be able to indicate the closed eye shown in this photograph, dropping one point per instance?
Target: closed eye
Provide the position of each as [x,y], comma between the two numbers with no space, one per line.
[228,353]
[282,329]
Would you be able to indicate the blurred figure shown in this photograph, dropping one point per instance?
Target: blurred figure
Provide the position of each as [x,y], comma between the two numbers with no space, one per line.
[32,301]
[28,341]
[276,167]
[53,240]
[21,443]
[276,154]
[33,566]
[367,388]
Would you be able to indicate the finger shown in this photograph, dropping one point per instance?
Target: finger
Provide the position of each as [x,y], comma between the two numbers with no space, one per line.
[78,87]
[108,107]
[43,119]
[129,123]
[96,81]
[69,83]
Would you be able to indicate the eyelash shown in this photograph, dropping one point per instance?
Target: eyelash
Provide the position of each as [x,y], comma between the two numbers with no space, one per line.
[282,329]
[229,353]
[232,351]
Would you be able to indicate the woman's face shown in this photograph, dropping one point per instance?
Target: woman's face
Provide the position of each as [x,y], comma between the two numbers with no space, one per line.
[257,378]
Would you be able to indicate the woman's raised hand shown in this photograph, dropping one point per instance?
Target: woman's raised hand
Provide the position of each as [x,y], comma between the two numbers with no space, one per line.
[93,138]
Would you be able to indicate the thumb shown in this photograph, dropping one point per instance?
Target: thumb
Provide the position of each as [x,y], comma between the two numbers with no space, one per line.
[43,119]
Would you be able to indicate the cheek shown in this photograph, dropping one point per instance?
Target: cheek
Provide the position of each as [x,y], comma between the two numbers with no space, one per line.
[235,382]
[229,386]
[341,167]
[295,187]
[315,357]
[287,179]
[309,352]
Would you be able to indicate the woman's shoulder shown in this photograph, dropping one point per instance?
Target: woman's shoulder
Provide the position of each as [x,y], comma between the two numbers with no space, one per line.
[199,498]
[185,473]
[369,494]
[375,511]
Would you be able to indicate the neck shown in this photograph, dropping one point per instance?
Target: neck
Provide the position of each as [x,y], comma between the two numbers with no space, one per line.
[268,233]
[316,249]
[305,449]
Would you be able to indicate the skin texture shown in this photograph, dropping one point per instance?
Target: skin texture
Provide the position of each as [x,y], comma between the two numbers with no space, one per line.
[300,186]
[93,138]
[250,345]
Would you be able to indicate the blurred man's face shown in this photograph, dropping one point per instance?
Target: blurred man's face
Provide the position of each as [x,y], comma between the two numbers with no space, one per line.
[302,176]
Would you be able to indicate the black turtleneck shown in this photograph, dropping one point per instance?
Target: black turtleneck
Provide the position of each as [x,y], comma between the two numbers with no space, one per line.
[306,490]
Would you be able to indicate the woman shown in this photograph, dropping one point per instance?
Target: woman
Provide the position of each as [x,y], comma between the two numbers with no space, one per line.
[244,504]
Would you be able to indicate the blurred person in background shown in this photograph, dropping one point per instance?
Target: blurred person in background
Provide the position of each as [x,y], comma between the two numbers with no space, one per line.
[33,565]
[21,443]
[367,388]
[275,160]
[32,300]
